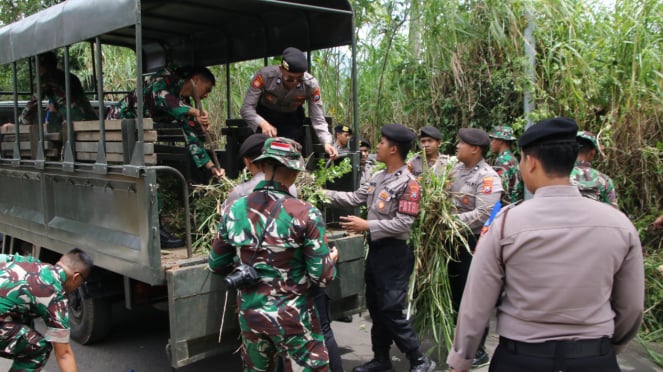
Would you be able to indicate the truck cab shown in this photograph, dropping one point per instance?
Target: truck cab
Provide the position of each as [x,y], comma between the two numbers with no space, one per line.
[94,184]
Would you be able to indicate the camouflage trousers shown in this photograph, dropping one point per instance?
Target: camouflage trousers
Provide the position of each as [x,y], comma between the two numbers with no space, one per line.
[304,352]
[25,346]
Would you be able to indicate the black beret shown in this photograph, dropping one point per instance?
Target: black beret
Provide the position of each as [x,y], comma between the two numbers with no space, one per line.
[343,129]
[398,133]
[294,60]
[364,142]
[550,130]
[252,145]
[431,132]
[474,137]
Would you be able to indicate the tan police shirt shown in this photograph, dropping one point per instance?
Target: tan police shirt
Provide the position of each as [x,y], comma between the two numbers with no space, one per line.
[475,191]
[267,88]
[392,200]
[570,269]
[416,164]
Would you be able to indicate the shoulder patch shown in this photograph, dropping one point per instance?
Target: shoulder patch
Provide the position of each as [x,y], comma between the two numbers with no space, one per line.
[487,187]
[257,82]
[315,96]
[409,201]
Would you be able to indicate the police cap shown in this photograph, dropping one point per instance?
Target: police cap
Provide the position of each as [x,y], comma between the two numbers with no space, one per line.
[587,137]
[342,129]
[397,133]
[294,60]
[252,145]
[474,137]
[431,132]
[550,130]
[283,150]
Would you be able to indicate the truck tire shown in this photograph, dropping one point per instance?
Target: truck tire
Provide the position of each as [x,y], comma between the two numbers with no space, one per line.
[90,318]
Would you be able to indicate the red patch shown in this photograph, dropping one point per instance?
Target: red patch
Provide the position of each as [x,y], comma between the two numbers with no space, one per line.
[487,187]
[409,202]
[257,82]
[315,97]
[465,200]
[408,207]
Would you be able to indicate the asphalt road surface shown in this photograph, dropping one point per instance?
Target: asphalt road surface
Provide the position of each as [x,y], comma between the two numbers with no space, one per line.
[138,342]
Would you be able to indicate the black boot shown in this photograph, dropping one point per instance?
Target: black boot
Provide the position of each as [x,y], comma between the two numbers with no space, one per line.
[168,240]
[420,363]
[380,363]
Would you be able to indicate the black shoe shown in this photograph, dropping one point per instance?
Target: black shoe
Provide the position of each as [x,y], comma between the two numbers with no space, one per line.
[375,365]
[480,358]
[168,240]
[345,319]
[422,364]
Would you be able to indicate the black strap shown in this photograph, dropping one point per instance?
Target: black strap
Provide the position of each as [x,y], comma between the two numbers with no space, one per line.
[275,209]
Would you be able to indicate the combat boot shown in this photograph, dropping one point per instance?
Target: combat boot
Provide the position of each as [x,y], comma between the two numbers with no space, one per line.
[379,363]
[420,363]
[168,240]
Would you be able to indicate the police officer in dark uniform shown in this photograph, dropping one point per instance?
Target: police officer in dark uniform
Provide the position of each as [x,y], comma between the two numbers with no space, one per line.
[392,198]
[273,102]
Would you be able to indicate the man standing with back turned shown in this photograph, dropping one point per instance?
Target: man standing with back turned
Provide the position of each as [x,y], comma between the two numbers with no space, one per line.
[568,271]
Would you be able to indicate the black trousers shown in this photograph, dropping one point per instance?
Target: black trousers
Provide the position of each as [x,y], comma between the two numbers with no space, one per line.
[388,267]
[458,269]
[324,313]
[287,124]
[506,359]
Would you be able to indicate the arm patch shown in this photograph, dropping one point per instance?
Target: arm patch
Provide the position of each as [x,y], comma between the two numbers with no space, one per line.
[409,201]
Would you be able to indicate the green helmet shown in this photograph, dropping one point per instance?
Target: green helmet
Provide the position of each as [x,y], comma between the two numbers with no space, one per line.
[283,150]
[503,132]
[589,136]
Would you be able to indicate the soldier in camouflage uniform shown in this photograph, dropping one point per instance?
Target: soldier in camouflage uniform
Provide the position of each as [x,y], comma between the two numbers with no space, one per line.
[476,188]
[277,316]
[591,183]
[167,97]
[506,164]
[392,198]
[430,140]
[30,289]
[52,81]
[273,102]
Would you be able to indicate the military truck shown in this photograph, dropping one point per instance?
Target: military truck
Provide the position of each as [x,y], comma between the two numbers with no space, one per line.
[93,184]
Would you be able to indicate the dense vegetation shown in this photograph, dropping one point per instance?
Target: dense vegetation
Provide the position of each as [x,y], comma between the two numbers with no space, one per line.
[459,63]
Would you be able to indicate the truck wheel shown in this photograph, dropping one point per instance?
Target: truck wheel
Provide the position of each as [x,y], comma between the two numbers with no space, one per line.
[90,318]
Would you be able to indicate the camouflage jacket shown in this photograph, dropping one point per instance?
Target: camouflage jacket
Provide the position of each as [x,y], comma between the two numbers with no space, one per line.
[506,166]
[593,184]
[30,289]
[293,256]
[53,88]
[163,103]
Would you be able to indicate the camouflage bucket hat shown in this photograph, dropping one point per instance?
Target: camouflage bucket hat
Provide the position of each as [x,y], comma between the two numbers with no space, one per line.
[503,132]
[283,150]
[589,136]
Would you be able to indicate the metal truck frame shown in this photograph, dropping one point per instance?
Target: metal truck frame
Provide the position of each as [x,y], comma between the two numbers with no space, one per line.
[109,207]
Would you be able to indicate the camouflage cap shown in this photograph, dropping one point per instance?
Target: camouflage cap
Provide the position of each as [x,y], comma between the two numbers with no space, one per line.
[589,136]
[503,132]
[283,150]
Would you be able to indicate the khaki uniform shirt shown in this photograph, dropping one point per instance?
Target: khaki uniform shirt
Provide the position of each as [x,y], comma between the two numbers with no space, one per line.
[267,88]
[570,268]
[392,201]
[475,191]
[416,167]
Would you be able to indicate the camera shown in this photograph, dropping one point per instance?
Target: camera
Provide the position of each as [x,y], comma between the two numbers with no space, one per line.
[242,277]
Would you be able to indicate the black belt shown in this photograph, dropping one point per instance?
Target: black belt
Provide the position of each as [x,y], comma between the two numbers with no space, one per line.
[563,349]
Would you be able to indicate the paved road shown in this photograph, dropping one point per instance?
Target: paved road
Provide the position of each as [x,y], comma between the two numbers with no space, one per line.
[138,341]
